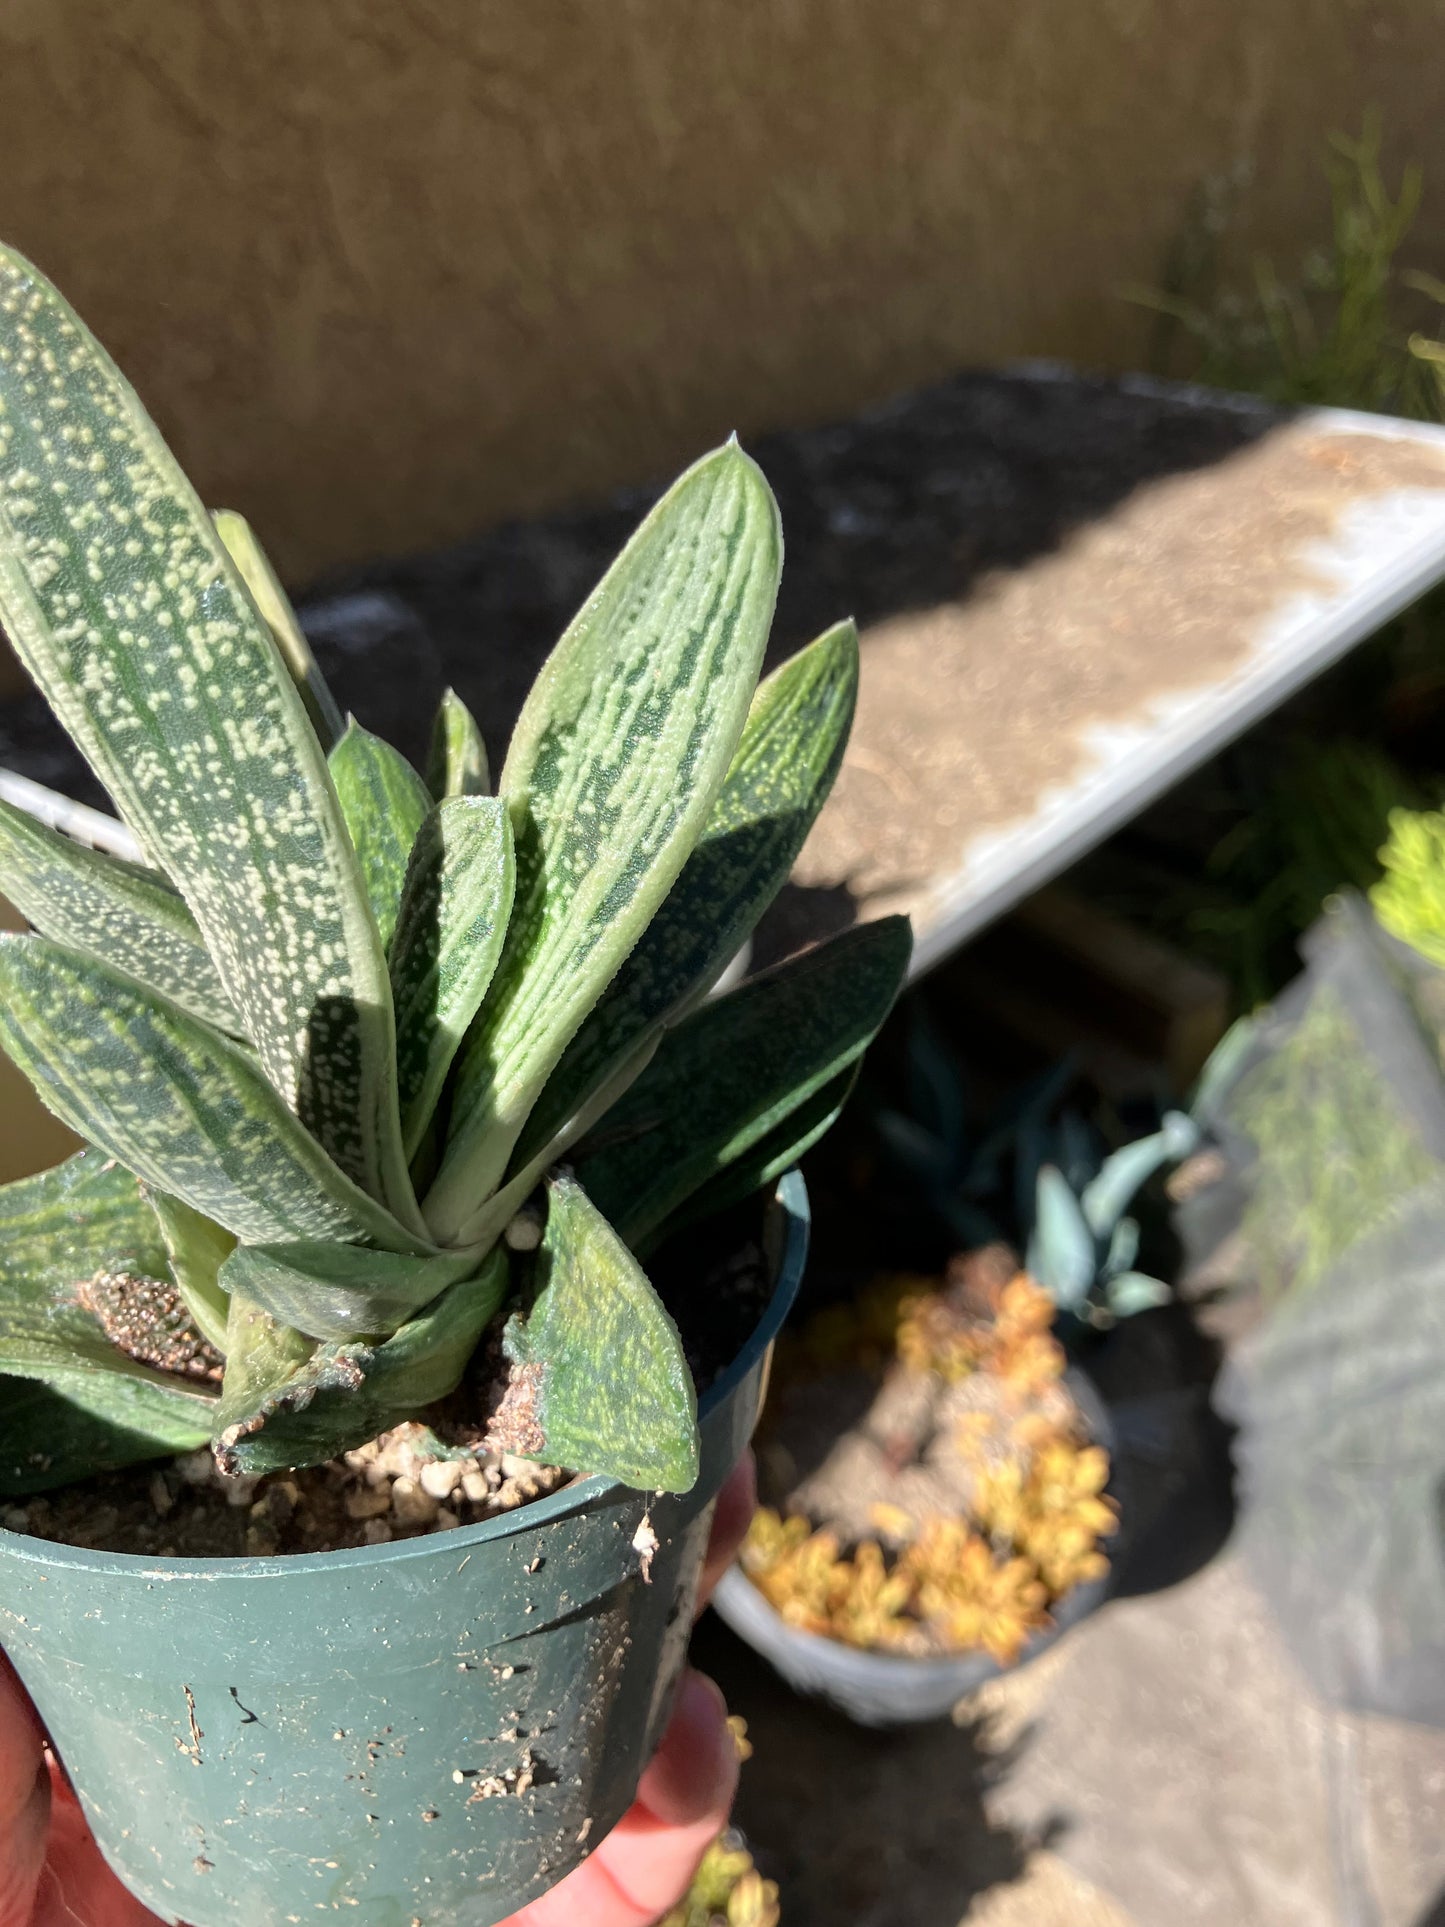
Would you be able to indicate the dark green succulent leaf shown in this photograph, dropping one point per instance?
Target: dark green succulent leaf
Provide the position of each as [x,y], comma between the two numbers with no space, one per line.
[759,1168]
[612,772]
[274,607]
[52,1435]
[346,1393]
[456,763]
[340,1291]
[734,1070]
[67,1234]
[111,909]
[385,803]
[123,603]
[454,909]
[599,1381]
[197,1247]
[180,1105]
[779,779]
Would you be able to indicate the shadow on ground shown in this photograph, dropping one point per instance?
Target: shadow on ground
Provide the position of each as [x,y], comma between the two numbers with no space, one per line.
[859,1827]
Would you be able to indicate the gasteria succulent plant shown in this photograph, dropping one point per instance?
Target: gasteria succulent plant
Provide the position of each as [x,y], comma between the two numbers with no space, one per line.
[331,1041]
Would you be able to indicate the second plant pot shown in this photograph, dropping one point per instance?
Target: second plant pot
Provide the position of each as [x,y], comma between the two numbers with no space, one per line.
[422,1734]
[894,1689]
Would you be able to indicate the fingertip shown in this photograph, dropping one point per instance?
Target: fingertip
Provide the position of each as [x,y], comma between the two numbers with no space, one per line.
[694,1773]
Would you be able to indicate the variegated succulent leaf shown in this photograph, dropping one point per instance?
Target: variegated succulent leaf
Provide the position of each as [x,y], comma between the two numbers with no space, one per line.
[274,607]
[120,597]
[779,779]
[612,771]
[54,1434]
[126,915]
[499,1210]
[455,903]
[340,1291]
[599,1378]
[181,1106]
[87,1308]
[344,1394]
[456,763]
[733,1071]
[384,803]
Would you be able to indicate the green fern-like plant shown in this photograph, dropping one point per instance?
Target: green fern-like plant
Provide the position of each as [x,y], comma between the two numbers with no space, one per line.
[372,1063]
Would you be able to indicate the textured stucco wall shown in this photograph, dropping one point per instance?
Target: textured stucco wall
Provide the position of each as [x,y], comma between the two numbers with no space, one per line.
[386,272]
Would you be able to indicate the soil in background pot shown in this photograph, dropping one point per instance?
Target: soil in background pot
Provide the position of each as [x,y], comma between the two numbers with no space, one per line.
[929,1486]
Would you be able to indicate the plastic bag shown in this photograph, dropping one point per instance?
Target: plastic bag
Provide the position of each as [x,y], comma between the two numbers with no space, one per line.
[1335,1128]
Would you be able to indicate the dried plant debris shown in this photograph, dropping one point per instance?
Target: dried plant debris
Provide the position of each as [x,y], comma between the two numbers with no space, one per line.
[148,1321]
[963,1501]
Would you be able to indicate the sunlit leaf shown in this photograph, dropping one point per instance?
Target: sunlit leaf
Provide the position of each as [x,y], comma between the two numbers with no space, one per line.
[453,919]
[114,910]
[613,769]
[457,759]
[385,803]
[598,1365]
[778,781]
[182,1106]
[120,597]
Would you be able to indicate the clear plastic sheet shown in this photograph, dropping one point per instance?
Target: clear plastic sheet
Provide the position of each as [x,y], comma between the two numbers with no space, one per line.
[1335,1131]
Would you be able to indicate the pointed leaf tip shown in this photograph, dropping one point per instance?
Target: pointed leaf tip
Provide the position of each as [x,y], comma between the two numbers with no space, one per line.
[608,1387]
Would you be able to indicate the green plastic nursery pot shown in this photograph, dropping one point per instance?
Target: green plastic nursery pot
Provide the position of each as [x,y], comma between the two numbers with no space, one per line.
[430,1732]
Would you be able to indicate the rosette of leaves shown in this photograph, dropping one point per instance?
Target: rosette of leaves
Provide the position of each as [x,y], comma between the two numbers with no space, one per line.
[373,1063]
[1040,1174]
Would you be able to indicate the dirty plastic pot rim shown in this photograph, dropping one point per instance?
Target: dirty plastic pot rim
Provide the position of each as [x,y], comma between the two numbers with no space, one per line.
[791,1198]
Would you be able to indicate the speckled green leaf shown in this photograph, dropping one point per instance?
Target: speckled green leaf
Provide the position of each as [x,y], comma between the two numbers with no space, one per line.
[454,910]
[51,1435]
[340,1291]
[197,1248]
[760,1167]
[778,781]
[385,803]
[733,1071]
[274,606]
[58,1230]
[495,1215]
[345,1394]
[610,1387]
[456,763]
[612,772]
[118,594]
[182,1106]
[111,909]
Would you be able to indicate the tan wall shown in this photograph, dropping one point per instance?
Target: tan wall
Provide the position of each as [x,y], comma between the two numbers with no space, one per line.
[388,271]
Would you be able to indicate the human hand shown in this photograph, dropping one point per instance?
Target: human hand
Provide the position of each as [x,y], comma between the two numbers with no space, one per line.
[52,1873]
